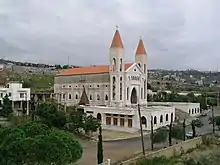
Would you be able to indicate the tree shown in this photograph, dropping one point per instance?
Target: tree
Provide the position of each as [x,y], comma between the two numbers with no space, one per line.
[36,143]
[79,121]
[177,132]
[76,121]
[6,107]
[160,135]
[100,147]
[48,113]
[91,124]
[215,119]
[196,123]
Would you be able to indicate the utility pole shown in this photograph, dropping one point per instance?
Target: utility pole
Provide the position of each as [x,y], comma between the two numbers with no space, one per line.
[152,133]
[184,130]
[213,121]
[142,136]
[217,99]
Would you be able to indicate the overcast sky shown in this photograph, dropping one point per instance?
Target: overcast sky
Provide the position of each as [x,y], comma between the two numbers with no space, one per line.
[178,34]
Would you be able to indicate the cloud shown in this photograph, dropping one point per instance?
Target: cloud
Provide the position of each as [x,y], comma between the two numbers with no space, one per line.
[177,34]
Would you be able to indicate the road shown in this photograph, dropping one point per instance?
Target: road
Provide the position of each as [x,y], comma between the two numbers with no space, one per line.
[121,149]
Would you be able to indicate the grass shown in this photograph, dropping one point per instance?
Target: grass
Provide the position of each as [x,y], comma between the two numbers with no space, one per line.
[37,82]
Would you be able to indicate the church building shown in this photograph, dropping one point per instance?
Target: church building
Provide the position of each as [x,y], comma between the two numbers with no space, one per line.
[111,92]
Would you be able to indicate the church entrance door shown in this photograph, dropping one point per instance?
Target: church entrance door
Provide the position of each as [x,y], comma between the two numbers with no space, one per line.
[133,96]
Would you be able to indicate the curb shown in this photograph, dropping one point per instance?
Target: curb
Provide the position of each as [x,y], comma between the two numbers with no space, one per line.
[119,139]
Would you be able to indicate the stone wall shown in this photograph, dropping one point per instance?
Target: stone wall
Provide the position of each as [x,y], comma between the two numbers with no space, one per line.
[168,152]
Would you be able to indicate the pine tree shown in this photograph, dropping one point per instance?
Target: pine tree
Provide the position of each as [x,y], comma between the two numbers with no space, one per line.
[6,107]
[100,147]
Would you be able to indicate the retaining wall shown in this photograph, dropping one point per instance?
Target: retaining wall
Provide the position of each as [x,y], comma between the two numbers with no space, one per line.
[168,152]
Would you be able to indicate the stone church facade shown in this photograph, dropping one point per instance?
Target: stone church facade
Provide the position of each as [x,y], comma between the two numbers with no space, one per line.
[116,84]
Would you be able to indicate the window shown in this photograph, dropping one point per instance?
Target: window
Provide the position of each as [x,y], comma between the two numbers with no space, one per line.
[166,117]
[155,120]
[97,86]
[113,64]
[9,94]
[64,96]
[70,96]
[106,97]
[145,89]
[64,86]
[120,64]
[69,86]
[161,119]
[106,86]
[21,95]
[1,95]
[113,88]
[139,64]
[76,96]
[98,97]
[144,68]
[90,97]
[120,88]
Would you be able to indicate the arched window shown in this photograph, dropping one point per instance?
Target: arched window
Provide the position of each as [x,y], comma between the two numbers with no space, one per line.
[106,97]
[120,88]
[90,97]
[99,116]
[120,64]
[144,121]
[113,87]
[113,64]
[145,68]
[172,117]
[189,111]
[161,119]
[76,96]
[166,117]
[192,111]
[155,120]
[198,110]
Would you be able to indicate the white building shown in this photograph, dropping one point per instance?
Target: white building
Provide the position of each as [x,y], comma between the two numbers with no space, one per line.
[19,96]
[193,109]
[111,92]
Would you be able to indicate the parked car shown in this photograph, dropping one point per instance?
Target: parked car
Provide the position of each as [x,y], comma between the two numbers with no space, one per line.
[189,135]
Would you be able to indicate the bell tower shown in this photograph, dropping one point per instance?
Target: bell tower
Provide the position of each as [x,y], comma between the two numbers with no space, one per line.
[116,69]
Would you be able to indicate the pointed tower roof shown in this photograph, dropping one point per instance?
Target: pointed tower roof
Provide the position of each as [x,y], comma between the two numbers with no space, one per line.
[140,48]
[117,42]
[84,99]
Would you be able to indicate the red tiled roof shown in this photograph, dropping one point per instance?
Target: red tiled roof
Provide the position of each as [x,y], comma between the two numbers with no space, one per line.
[117,42]
[88,70]
[140,48]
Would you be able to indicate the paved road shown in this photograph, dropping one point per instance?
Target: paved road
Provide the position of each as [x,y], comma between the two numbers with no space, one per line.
[117,150]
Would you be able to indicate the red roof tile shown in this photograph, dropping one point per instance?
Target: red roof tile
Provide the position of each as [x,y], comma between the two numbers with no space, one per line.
[88,70]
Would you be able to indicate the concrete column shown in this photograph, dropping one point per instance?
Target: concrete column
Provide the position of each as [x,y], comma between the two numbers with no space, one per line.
[28,105]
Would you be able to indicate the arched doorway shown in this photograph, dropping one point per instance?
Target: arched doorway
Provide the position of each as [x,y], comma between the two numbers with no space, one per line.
[133,96]
[99,116]
[144,121]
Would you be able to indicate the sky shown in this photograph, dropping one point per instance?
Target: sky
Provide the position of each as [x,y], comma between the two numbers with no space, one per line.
[178,34]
